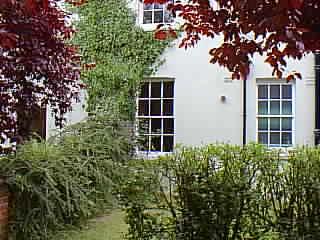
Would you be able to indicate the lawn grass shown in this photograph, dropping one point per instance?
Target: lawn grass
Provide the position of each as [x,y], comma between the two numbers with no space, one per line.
[108,227]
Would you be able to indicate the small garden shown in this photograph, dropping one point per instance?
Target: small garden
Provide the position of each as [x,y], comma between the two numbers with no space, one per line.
[209,192]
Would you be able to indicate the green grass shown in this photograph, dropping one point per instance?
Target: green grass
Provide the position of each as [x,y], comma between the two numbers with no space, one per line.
[109,227]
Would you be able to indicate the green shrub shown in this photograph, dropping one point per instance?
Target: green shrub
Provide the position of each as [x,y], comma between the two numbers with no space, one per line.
[225,192]
[66,180]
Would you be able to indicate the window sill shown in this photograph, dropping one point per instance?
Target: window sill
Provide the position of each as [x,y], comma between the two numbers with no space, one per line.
[152,155]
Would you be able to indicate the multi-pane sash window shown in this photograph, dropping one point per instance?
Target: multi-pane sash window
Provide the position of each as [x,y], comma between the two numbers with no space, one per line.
[156,13]
[275,115]
[155,116]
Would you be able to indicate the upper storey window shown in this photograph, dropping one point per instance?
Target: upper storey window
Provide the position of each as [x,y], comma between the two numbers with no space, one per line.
[156,13]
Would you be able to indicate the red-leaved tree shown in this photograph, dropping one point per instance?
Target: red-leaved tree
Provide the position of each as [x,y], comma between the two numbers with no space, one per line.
[277,28]
[37,65]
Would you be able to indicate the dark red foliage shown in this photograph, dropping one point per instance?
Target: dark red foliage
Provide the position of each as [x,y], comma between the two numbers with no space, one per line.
[276,28]
[37,66]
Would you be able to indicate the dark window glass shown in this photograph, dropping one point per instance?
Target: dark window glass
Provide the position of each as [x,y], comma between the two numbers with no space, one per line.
[275,124]
[262,91]
[168,89]
[167,143]
[147,17]
[144,90]
[156,125]
[275,107]
[156,90]
[168,126]
[287,107]
[287,138]
[155,107]
[263,124]
[275,138]
[263,107]
[168,107]
[155,143]
[286,91]
[168,17]
[275,91]
[158,16]
[286,124]
[263,138]
[143,108]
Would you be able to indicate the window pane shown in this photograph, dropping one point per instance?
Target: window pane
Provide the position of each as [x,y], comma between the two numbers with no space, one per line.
[156,90]
[147,17]
[286,124]
[275,91]
[155,107]
[287,107]
[275,107]
[263,107]
[168,16]
[168,126]
[262,91]
[286,91]
[167,107]
[156,143]
[144,93]
[168,89]
[263,138]
[147,6]
[167,143]
[287,138]
[156,125]
[275,138]
[274,123]
[158,16]
[143,108]
[143,126]
[262,123]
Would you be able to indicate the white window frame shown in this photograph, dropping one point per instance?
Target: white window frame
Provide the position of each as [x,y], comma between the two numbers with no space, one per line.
[151,25]
[269,83]
[151,152]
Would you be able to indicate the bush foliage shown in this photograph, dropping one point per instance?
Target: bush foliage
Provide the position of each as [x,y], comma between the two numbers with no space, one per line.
[123,52]
[67,179]
[224,192]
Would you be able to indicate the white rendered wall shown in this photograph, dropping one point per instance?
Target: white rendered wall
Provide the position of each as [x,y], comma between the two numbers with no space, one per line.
[76,115]
[200,115]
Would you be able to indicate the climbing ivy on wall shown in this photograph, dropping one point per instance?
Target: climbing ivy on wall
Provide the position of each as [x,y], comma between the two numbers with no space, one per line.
[123,53]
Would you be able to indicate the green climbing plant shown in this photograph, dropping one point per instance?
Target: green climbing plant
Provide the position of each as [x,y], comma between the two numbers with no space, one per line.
[123,53]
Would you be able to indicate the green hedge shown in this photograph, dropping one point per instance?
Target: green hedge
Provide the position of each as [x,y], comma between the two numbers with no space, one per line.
[66,180]
[225,192]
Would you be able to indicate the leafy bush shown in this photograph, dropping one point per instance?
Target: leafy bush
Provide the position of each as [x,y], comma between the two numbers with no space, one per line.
[224,192]
[123,52]
[66,180]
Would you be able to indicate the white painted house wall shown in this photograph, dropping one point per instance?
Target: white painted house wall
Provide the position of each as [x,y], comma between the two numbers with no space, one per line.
[77,114]
[200,114]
